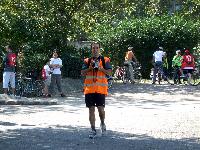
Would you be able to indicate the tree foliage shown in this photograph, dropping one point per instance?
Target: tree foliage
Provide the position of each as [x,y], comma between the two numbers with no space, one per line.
[38,27]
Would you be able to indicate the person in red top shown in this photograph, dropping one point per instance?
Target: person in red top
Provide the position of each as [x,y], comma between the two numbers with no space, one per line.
[188,62]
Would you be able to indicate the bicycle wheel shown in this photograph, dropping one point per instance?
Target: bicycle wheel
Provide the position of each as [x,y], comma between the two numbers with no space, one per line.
[159,78]
[38,88]
[193,79]
[19,89]
[28,89]
[125,77]
[137,77]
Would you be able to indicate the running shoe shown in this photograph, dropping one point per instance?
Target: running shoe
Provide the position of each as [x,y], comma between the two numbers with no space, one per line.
[103,128]
[92,134]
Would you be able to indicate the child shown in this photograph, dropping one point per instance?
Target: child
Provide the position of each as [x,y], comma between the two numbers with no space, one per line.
[46,75]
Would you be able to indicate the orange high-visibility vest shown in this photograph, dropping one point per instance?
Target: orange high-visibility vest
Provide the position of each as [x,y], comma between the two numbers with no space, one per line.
[96,81]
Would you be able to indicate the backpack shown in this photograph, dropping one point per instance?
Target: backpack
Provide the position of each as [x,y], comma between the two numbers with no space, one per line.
[43,72]
[11,59]
[102,59]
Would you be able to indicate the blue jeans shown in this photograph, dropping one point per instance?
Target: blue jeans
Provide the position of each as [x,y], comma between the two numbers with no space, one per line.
[158,65]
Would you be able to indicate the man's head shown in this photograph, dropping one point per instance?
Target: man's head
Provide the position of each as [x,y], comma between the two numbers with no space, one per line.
[130,48]
[160,48]
[8,48]
[55,54]
[178,52]
[187,52]
[95,49]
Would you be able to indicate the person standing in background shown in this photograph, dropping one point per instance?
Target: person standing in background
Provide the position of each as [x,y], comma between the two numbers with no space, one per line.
[157,61]
[55,65]
[9,69]
[176,65]
[46,76]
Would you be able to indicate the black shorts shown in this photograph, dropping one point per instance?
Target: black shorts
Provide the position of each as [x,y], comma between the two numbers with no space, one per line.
[185,71]
[95,99]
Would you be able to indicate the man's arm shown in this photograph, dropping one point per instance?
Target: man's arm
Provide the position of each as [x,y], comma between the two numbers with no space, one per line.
[5,60]
[86,68]
[108,68]
[153,60]
[58,65]
[85,71]
[106,71]
[135,58]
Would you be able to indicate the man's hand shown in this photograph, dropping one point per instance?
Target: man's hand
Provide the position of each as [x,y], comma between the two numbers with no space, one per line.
[84,72]
[101,69]
[108,72]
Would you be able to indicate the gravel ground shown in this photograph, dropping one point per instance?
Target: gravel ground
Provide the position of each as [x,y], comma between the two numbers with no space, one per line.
[138,117]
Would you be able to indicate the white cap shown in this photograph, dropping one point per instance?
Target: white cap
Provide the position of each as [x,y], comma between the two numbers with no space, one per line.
[178,51]
[130,48]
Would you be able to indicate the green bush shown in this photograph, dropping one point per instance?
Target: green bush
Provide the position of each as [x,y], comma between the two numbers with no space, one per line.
[71,66]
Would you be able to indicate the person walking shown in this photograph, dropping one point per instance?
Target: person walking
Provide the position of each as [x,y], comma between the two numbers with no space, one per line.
[95,70]
[9,68]
[55,65]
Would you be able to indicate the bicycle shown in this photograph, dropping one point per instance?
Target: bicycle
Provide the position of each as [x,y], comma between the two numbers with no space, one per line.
[159,75]
[32,88]
[137,73]
[137,76]
[176,75]
[190,78]
[118,73]
[19,87]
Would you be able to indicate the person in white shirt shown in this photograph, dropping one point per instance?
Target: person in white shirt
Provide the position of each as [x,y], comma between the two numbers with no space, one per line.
[158,63]
[55,65]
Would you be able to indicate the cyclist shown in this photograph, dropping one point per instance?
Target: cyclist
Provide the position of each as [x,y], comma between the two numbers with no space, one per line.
[158,63]
[176,65]
[188,63]
[130,61]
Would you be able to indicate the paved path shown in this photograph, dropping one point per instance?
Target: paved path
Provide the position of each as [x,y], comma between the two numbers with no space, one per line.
[138,117]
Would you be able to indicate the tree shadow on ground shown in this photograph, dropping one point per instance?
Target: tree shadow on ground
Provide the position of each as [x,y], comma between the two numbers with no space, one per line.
[76,138]
[154,89]
[156,95]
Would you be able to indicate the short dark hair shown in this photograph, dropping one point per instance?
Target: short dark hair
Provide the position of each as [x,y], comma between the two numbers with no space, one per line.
[8,47]
[95,43]
[55,51]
